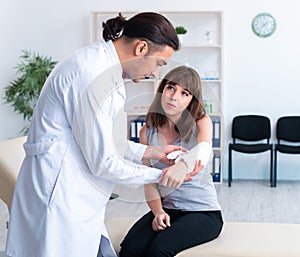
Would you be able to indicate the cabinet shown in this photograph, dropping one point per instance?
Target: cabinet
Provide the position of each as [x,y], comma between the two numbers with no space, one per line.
[202,49]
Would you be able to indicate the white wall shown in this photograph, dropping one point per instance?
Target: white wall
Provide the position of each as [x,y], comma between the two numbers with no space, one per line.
[261,75]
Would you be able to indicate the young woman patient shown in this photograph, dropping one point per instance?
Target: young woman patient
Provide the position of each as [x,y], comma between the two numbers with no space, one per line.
[189,215]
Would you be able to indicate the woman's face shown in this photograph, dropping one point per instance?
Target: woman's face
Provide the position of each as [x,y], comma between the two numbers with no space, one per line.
[175,99]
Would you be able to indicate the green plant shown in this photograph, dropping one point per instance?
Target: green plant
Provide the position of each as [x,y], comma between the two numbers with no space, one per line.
[180,30]
[23,92]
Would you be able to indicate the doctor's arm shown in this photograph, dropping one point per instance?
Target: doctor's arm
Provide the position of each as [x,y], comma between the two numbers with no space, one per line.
[100,152]
[138,152]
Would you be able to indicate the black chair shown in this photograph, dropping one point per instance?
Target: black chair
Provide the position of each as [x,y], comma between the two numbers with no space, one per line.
[288,135]
[250,134]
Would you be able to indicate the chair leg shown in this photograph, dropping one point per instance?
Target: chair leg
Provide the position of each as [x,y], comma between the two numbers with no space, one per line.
[275,168]
[229,168]
[271,169]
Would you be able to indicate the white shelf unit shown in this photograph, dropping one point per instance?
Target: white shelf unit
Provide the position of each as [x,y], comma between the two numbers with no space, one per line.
[139,96]
[206,56]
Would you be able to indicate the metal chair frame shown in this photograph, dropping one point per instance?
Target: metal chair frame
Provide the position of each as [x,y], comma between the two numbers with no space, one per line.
[288,135]
[253,133]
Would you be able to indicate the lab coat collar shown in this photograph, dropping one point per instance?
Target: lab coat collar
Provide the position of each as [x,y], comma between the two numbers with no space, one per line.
[117,78]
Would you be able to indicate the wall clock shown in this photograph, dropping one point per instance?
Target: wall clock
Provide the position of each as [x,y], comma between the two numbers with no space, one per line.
[263,25]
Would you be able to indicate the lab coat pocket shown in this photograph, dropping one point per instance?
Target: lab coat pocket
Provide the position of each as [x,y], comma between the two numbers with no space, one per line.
[45,159]
[55,178]
[53,185]
[86,200]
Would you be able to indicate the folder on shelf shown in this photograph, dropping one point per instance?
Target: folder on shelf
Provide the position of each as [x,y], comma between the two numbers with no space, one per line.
[216,167]
[135,127]
[216,132]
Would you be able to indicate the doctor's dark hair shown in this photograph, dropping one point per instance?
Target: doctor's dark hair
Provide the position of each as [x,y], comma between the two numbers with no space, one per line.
[149,26]
[190,80]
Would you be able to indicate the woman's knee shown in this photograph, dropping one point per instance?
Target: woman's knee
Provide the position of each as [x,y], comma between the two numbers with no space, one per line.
[158,248]
[130,250]
[133,247]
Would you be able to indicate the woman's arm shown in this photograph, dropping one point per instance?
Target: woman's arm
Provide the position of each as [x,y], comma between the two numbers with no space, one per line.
[198,156]
[161,219]
[204,127]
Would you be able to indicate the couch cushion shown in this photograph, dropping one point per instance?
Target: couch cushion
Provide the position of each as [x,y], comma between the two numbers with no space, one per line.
[11,157]
[236,240]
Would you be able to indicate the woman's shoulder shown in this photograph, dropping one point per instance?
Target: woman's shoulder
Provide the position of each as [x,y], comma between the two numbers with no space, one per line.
[148,132]
[205,120]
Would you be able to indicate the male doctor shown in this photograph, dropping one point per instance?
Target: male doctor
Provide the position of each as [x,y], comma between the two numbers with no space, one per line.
[72,160]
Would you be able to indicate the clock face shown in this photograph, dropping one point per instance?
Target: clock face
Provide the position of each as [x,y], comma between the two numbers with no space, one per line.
[263,25]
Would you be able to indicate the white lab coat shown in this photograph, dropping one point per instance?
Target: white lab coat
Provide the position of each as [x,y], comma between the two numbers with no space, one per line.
[72,162]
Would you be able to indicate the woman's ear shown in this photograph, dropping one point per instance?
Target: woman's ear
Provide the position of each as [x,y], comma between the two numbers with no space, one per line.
[141,48]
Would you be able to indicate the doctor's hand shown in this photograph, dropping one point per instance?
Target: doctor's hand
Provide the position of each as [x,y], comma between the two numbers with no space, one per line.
[160,153]
[173,176]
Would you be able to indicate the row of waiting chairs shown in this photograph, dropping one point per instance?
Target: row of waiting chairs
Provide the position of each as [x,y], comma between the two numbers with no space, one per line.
[252,133]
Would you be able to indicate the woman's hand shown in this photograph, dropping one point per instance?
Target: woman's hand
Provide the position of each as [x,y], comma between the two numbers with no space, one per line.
[198,167]
[161,221]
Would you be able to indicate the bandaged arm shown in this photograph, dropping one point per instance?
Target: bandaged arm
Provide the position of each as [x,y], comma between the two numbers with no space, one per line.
[202,151]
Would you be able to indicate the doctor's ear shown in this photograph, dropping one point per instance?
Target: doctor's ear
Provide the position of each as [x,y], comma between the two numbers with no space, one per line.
[141,48]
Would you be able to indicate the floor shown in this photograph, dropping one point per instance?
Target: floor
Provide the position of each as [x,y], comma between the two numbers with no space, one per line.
[247,201]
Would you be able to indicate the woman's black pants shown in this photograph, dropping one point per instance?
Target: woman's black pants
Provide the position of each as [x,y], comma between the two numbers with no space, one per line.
[187,229]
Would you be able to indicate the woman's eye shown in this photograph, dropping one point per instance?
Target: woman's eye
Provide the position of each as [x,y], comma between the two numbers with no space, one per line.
[170,87]
[185,93]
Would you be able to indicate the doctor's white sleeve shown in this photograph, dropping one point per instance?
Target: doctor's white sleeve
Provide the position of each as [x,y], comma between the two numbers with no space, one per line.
[134,152]
[102,155]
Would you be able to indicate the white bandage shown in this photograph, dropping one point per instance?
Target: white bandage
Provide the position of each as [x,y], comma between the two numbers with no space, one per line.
[202,151]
